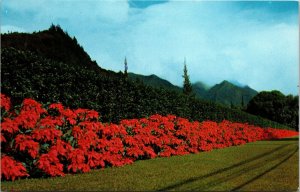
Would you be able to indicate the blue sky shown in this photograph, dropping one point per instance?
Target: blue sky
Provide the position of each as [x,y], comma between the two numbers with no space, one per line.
[252,42]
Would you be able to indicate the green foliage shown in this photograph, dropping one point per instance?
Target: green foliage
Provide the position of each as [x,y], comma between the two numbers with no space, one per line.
[53,44]
[224,93]
[230,94]
[24,74]
[275,106]
[155,81]
[187,86]
[200,89]
[72,78]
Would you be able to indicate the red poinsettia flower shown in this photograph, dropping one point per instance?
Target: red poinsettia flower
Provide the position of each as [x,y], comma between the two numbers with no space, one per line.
[49,164]
[11,169]
[25,143]
[5,102]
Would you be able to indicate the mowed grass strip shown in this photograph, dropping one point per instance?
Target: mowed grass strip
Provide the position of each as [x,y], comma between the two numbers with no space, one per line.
[258,166]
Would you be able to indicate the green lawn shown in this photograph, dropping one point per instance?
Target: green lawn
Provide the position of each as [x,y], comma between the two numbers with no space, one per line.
[259,166]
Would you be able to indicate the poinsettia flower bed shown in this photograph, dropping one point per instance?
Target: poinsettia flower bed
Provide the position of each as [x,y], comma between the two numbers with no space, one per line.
[55,140]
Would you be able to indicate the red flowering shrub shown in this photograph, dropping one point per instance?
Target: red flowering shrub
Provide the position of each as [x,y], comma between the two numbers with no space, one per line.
[25,143]
[9,126]
[5,102]
[50,164]
[77,161]
[60,140]
[11,169]
[46,134]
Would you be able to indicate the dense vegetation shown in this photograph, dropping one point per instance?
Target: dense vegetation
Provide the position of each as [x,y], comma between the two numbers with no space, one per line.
[187,86]
[154,81]
[53,43]
[52,141]
[277,107]
[25,74]
[230,94]
[270,105]
[56,68]
[225,93]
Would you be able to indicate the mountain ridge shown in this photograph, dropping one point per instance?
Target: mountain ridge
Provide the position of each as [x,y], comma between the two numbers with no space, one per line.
[77,84]
[230,94]
[42,42]
[225,92]
[68,50]
[154,81]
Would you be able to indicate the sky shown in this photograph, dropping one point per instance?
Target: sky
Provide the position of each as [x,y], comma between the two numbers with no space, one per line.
[255,43]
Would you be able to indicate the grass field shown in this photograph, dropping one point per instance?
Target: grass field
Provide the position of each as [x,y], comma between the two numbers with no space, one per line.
[259,166]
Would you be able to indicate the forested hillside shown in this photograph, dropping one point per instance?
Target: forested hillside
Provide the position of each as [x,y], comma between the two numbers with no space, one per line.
[30,74]
[154,81]
[276,106]
[53,43]
[230,94]
[225,93]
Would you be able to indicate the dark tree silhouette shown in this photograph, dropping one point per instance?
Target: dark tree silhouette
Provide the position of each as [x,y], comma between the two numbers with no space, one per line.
[243,103]
[187,86]
[126,68]
[276,106]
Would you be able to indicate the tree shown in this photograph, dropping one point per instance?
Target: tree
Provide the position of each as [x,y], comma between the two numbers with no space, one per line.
[275,106]
[243,103]
[56,28]
[187,86]
[126,68]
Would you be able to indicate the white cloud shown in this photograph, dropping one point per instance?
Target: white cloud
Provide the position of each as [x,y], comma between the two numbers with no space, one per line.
[229,46]
[71,13]
[11,28]
[110,9]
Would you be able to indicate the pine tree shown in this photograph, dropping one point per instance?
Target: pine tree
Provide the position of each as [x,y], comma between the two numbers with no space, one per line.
[126,68]
[243,103]
[187,86]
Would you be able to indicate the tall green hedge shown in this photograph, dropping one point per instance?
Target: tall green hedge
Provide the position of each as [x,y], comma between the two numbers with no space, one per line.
[25,74]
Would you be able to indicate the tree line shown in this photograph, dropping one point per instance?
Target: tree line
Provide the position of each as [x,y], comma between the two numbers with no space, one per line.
[271,105]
